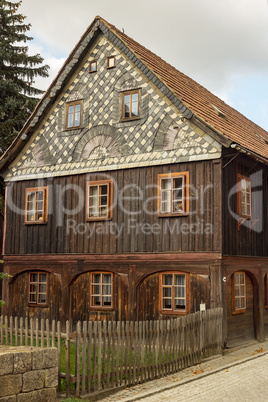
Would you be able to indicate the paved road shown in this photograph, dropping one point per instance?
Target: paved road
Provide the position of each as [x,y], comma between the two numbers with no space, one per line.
[244,382]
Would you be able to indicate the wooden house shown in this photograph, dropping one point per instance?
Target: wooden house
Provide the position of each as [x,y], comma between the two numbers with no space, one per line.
[132,192]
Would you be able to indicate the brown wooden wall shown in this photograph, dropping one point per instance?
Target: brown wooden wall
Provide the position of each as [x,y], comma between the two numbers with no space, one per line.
[245,241]
[240,327]
[19,296]
[149,234]
[148,297]
[80,301]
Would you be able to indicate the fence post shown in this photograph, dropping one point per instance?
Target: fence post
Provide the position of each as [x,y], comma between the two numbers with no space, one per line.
[77,363]
[67,359]
[59,359]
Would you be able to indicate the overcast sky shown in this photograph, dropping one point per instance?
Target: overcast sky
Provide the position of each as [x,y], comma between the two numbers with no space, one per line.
[222,44]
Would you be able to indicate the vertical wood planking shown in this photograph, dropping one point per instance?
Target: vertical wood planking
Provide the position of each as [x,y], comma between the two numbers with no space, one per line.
[84,351]
[133,351]
[16,331]
[42,332]
[99,355]
[89,358]
[108,373]
[59,355]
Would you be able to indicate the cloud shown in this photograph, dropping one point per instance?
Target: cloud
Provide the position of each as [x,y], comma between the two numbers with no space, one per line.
[212,41]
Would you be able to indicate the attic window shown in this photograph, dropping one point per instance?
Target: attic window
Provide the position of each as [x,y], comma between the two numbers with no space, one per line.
[110,62]
[73,114]
[93,66]
[130,101]
[218,111]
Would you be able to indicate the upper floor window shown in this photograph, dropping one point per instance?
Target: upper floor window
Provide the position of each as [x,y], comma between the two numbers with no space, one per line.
[101,290]
[173,291]
[99,200]
[36,205]
[110,62]
[74,114]
[38,288]
[173,194]
[93,66]
[130,105]
[244,196]
[239,291]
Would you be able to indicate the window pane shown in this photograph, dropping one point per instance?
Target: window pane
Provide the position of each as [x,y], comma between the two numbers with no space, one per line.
[93,66]
[32,298]
[127,106]
[111,62]
[70,116]
[33,277]
[180,280]
[167,304]
[96,278]
[77,116]
[167,292]
[166,184]
[165,207]
[168,279]
[32,288]
[96,301]
[180,304]
[104,189]
[134,108]
[107,278]
[93,201]
[40,195]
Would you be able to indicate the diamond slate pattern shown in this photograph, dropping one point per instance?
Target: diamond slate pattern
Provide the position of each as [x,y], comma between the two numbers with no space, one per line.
[150,140]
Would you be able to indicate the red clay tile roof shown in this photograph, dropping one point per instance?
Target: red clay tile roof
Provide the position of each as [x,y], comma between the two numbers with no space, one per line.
[203,104]
[200,101]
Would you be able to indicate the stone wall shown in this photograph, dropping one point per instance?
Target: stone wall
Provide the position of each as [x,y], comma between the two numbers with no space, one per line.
[28,374]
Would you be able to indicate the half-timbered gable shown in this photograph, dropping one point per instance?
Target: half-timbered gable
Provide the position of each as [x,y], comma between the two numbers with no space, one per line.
[132,192]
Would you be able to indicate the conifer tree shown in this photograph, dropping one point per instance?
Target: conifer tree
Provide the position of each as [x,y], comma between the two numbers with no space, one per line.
[18,71]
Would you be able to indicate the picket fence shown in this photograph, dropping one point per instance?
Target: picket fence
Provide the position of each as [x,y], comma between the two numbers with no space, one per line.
[104,355]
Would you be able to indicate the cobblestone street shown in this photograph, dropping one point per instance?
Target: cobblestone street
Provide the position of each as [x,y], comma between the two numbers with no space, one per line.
[240,375]
[245,382]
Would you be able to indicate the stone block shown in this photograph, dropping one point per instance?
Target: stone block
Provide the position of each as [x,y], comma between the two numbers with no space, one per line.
[22,362]
[10,384]
[12,398]
[45,358]
[33,380]
[51,377]
[6,363]
[43,395]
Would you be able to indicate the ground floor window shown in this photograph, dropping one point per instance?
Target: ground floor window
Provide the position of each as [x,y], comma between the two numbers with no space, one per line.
[101,290]
[239,292]
[173,290]
[38,288]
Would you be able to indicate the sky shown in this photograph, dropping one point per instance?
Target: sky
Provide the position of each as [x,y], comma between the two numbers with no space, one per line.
[222,44]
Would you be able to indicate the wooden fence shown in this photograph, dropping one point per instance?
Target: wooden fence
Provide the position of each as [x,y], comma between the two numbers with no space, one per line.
[103,355]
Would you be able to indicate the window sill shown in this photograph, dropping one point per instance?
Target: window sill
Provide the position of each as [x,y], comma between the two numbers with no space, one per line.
[35,223]
[96,308]
[72,128]
[94,219]
[170,215]
[38,305]
[129,119]
[236,312]
[172,312]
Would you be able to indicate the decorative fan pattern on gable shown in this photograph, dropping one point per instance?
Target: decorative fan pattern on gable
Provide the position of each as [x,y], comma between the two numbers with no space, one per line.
[100,146]
[100,141]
